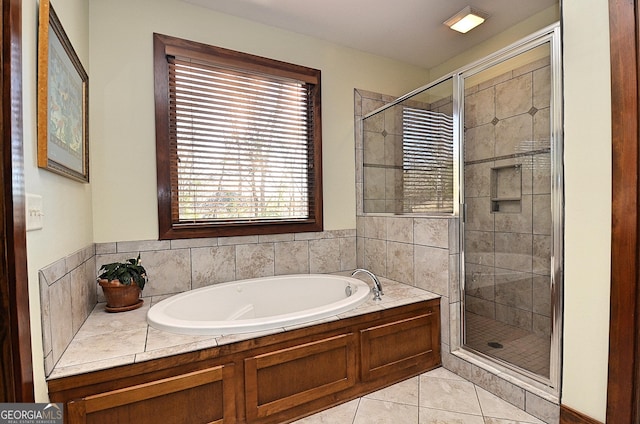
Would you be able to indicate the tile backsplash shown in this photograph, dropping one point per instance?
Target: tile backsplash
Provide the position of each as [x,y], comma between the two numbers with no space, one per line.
[68,288]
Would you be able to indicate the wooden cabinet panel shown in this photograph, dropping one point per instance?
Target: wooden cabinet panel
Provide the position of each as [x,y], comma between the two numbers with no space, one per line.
[285,378]
[204,396]
[266,380]
[392,347]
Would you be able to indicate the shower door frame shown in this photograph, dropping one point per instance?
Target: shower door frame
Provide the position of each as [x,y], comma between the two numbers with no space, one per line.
[550,35]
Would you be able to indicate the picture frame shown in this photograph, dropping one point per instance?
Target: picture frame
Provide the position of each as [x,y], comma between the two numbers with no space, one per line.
[63,101]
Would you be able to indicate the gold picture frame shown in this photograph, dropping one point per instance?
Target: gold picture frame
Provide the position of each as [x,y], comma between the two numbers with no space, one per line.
[63,100]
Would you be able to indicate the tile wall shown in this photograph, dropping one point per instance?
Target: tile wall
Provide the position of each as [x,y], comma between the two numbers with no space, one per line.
[507,157]
[424,251]
[180,265]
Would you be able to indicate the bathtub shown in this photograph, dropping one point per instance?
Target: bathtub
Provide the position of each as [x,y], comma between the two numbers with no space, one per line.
[257,304]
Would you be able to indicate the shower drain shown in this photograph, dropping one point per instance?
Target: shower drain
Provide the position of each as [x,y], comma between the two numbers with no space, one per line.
[495,345]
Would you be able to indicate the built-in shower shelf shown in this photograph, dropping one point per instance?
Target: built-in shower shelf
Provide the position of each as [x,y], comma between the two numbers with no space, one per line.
[506,189]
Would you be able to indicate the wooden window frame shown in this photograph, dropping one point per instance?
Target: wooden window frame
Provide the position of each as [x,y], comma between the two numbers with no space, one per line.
[167,46]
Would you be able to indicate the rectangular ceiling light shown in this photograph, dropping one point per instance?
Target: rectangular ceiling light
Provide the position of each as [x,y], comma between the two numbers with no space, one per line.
[467,19]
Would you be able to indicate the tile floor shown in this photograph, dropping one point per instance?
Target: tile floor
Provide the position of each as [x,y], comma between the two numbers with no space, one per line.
[436,397]
[516,346]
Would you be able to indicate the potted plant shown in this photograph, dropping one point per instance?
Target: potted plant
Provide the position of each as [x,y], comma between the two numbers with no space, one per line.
[122,283]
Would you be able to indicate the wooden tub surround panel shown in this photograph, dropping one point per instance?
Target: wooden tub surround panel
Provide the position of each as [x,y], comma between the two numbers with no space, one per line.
[266,380]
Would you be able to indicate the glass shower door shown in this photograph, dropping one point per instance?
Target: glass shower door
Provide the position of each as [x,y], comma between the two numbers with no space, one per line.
[508,229]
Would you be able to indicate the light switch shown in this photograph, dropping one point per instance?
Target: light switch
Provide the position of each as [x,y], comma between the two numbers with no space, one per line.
[35,212]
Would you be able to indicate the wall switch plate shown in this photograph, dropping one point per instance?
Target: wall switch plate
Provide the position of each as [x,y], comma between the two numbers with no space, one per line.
[35,212]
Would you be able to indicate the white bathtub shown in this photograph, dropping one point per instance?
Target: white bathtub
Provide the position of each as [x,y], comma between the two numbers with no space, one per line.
[257,304]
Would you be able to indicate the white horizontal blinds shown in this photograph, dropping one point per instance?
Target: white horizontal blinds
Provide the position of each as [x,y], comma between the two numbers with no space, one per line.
[242,142]
[427,161]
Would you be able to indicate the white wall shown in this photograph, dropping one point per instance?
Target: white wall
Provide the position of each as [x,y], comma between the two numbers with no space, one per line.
[587,123]
[68,222]
[122,124]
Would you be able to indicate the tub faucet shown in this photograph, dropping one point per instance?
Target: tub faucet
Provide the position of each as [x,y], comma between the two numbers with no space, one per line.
[377,287]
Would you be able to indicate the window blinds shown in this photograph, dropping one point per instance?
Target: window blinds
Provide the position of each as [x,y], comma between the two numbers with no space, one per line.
[241,145]
[427,161]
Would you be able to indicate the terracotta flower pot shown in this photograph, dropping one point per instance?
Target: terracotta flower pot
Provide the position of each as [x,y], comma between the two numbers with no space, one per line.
[120,297]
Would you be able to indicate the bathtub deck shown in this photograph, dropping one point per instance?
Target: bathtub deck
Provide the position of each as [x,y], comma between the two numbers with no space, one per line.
[108,340]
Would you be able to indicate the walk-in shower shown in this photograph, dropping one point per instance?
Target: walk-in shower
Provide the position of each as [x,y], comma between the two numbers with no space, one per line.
[484,143]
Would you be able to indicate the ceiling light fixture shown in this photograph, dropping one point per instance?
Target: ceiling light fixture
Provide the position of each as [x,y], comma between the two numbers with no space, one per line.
[467,19]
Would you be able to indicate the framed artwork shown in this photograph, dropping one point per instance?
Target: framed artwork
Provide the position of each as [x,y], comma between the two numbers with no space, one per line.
[63,99]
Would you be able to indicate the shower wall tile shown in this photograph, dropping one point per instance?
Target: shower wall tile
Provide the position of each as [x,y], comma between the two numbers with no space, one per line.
[514,289]
[375,178]
[514,135]
[542,295]
[368,106]
[454,235]
[482,307]
[542,87]
[479,108]
[541,173]
[541,325]
[479,142]
[516,222]
[431,232]
[254,260]
[454,277]
[400,229]
[400,262]
[374,153]
[542,254]
[542,129]
[479,216]
[432,269]
[542,214]
[479,247]
[211,265]
[477,179]
[513,97]
[480,281]
[514,316]
[514,251]
[375,227]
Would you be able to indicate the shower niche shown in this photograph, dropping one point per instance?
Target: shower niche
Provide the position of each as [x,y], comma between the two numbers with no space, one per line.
[506,189]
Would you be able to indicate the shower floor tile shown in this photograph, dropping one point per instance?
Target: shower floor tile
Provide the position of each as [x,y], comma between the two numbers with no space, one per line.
[511,344]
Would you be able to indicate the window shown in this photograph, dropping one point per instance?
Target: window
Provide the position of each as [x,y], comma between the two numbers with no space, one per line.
[238,142]
[427,161]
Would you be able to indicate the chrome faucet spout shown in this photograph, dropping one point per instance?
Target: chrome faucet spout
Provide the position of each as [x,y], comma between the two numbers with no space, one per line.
[377,287]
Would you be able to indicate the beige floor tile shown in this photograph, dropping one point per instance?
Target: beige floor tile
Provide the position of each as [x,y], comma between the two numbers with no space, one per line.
[405,392]
[443,373]
[437,416]
[341,414]
[494,407]
[378,412]
[449,395]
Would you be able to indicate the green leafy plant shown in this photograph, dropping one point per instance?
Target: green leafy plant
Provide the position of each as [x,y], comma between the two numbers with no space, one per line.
[126,272]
